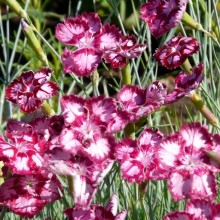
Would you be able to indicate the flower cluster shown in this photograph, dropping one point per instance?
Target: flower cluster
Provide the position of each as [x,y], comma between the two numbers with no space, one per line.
[82,142]
[138,102]
[31,186]
[94,42]
[179,158]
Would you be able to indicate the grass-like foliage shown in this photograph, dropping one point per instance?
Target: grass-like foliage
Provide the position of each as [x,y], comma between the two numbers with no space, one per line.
[109,109]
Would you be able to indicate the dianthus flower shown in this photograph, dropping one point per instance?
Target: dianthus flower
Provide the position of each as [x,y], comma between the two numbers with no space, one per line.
[162,15]
[191,173]
[185,84]
[138,102]
[31,89]
[23,152]
[137,158]
[93,42]
[97,212]
[173,53]
[196,210]
[125,49]
[89,124]
[91,39]
[27,195]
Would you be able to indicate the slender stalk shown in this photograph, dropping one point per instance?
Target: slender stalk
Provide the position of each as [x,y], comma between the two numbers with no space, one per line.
[34,42]
[14,6]
[197,100]
[95,83]
[47,110]
[200,105]
[186,67]
[126,75]
[189,21]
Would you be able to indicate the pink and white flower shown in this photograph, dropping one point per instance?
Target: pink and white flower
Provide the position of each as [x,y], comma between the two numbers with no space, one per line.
[91,39]
[31,89]
[196,210]
[27,195]
[137,158]
[139,102]
[89,124]
[191,173]
[162,15]
[184,84]
[125,49]
[173,53]
[23,152]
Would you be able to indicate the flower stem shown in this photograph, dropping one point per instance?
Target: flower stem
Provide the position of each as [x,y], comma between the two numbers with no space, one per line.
[95,83]
[198,102]
[34,42]
[47,110]
[186,67]
[126,75]
[70,184]
[189,21]
[126,80]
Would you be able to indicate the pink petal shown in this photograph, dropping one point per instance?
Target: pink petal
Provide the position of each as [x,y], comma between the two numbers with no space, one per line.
[122,215]
[99,149]
[102,107]
[118,122]
[27,102]
[83,192]
[161,16]
[112,205]
[46,91]
[69,142]
[12,90]
[71,31]
[197,184]
[6,150]
[133,171]
[131,97]
[82,62]
[126,48]
[200,209]
[124,149]
[196,135]
[43,75]
[93,21]
[179,216]
[156,93]
[170,149]
[150,137]
[72,107]
[173,53]
[26,207]
[79,214]
[108,37]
